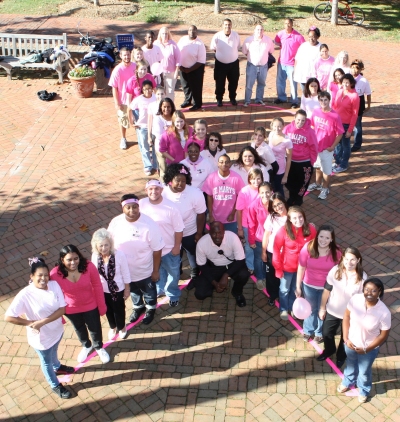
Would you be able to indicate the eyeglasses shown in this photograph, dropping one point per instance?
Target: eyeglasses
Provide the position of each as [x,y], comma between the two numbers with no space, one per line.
[278,205]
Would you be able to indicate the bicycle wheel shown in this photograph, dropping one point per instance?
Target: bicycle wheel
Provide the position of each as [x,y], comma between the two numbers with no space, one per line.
[323,11]
[354,16]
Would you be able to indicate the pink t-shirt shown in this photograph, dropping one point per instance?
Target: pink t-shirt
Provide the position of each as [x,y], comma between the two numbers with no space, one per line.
[316,268]
[38,304]
[367,323]
[152,55]
[190,203]
[142,103]
[333,89]
[290,43]
[256,218]
[198,170]
[119,79]
[245,198]
[171,55]
[224,191]
[322,71]
[272,225]
[327,127]
[279,151]
[168,219]
[342,291]
[134,87]
[193,138]
[138,241]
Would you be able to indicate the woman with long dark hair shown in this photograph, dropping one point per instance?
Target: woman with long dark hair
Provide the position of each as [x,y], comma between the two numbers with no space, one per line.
[247,160]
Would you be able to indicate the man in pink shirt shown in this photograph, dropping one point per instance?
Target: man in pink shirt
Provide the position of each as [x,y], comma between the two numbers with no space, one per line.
[119,78]
[289,41]
[329,130]
[257,49]
[193,59]
[226,44]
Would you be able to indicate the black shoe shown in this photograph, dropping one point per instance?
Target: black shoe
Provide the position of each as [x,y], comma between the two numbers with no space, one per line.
[322,357]
[294,106]
[339,363]
[186,104]
[149,316]
[194,108]
[355,149]
[240,301]
[62,392]
[234,102]
[63,370]
[278,101]
[191,285]
[135,315]
[271,302]
[219,103]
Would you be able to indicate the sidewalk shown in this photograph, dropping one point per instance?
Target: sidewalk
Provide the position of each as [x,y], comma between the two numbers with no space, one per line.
[61,170]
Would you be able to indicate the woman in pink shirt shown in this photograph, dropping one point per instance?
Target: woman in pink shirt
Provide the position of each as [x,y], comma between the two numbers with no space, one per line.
[323,66]
[366,326]
[171,60]
[336,82]
[316,259]
[80,282]
[200,134]
[135,83]
[346,104]
[342,282]
[257,214]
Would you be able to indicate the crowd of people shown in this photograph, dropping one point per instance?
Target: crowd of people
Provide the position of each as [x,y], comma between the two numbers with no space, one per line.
[232,219]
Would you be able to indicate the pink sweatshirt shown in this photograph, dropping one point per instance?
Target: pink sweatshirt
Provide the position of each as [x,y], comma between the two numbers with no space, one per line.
[256,217]
[134,87]
[347,105]
[84,295]
[171,144]
[305,145]
[193,138]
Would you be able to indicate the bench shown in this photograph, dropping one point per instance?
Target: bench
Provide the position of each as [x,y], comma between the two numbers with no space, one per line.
[14,47]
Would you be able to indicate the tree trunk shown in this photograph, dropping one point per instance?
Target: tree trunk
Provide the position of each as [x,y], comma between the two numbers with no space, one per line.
[334,16]
[217,7]
[96,2]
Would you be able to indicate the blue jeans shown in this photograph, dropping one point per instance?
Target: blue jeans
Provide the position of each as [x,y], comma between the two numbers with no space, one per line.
[49,363]
[287,288]
[231,227]
[143,294]
[169,276]
[260,268]
[253,74]
[249,252]
[189,245]
[359,370]
[286,72]
[343,150]
[358,136]
[312,324]
[148,157]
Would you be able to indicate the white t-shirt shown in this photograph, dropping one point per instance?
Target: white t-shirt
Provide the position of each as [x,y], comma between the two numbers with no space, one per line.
[266,153]
[226,47]
[271,226]
[309,104]
[199,171]
[213,159]
[305,57]
[190,202]
[38,304]
[230,245]
[244,174]
[160,125]
[168,219]
[138,241]
[142,103]
[152,55]
[122,275]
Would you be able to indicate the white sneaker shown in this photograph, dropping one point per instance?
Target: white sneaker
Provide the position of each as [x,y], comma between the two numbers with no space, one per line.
[284,315]
[314,186]
[104,356]
[324,193]
[260,284]
[147,172]
[362,399]
[122,143]
[246,104]
[111,334]
[122,334]
[260,102]
[83,354]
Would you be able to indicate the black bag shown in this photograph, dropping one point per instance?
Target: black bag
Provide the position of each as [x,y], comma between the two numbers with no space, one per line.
[271,60]
[46,55]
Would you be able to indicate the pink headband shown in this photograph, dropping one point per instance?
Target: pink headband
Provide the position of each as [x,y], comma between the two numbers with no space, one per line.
[129,201]
[154,182]
[183,170]
[33,261]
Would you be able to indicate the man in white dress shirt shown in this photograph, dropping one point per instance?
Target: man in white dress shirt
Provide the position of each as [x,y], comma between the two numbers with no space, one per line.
[257,49]
[220,255]
[193,59]
[226,45]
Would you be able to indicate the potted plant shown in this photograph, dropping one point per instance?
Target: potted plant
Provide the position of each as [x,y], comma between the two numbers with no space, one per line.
[82,79]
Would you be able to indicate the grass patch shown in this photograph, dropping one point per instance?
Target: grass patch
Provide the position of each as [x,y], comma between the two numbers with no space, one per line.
[31,7]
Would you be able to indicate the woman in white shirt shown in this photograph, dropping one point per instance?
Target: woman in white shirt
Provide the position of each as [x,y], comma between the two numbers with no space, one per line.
[42,302]
[114,276]
[309,99]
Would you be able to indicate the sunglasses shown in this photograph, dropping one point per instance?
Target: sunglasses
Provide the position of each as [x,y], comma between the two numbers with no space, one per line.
[213,140]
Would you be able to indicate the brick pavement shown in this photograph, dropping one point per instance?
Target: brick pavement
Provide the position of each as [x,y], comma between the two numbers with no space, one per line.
[60,168]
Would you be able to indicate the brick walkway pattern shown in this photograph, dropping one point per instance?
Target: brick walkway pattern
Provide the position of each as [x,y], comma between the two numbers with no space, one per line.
[61,169]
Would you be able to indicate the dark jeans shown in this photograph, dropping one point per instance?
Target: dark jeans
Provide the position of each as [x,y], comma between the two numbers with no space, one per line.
[192,85]
[277,184]
[143,293]
[329,330]
[358,138]
[84,321]
[272,281]
[189,245]
[223,71]
[342,150]
[204,286]
[115,311]
[299,178]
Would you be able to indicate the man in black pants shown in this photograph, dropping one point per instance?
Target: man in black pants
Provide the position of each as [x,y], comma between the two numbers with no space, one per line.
[226,45]
[220,255]
[193,59]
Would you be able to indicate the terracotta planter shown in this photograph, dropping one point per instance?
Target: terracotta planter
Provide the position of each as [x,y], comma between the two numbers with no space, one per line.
[83,87]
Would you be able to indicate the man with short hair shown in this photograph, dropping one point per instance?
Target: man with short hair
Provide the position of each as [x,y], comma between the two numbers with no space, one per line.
[220,255]
[170,222]
[193,59]
[289,41]
[118,81]
[151,52]
[329,130]
[257,49]
[226,44]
